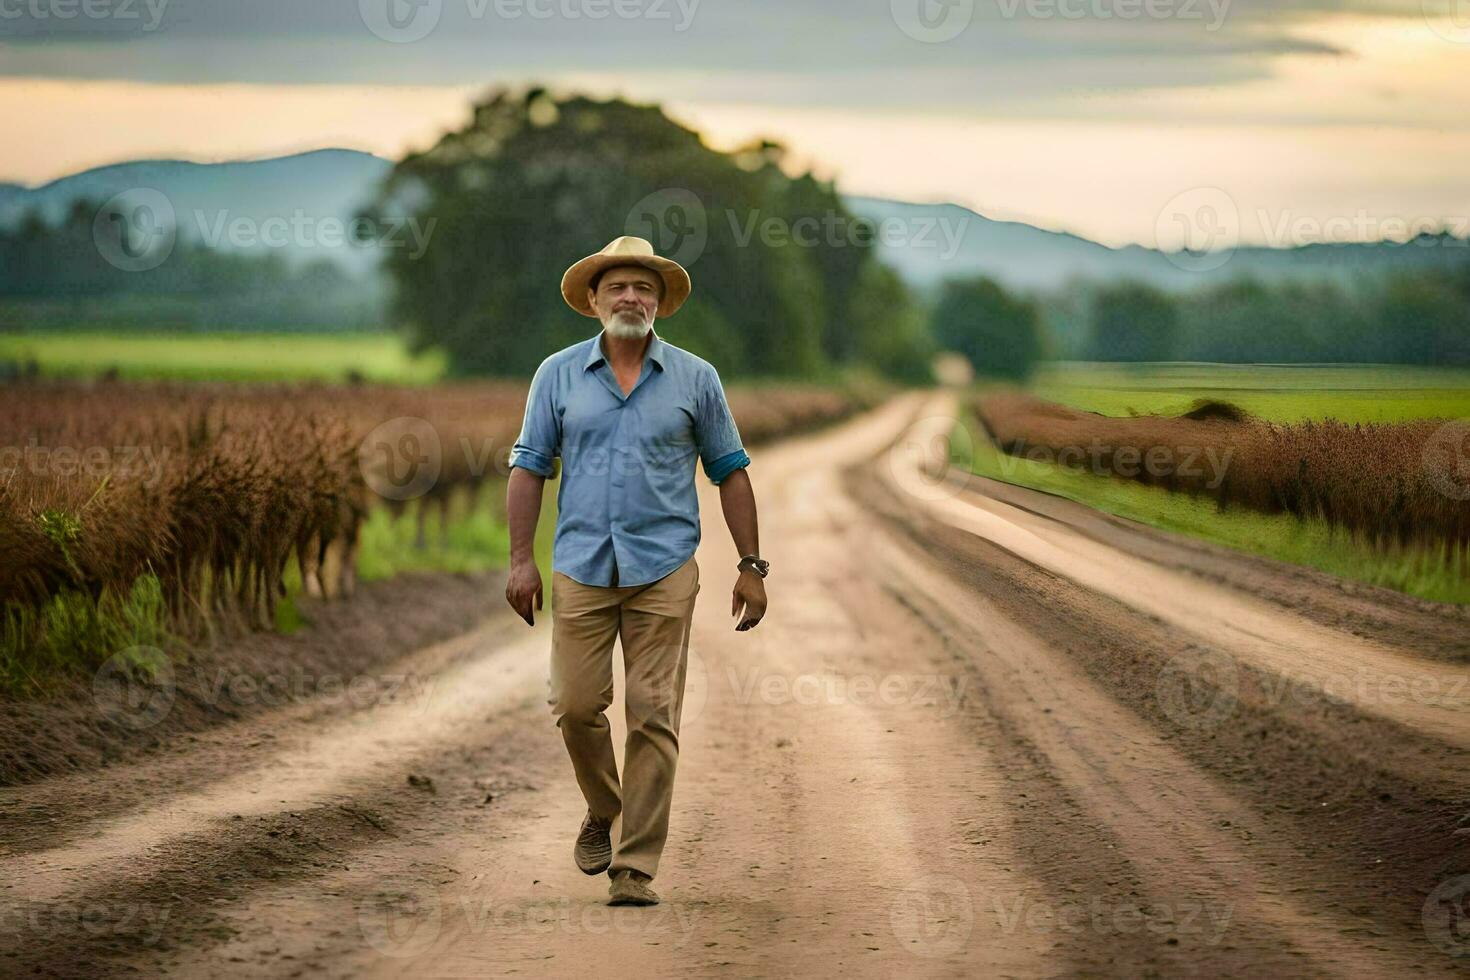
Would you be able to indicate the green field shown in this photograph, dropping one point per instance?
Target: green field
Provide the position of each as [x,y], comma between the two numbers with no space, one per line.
[1282,393]
[1279,392]
[224,357]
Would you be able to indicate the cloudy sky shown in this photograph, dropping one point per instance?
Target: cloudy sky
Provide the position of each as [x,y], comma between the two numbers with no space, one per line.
[1319,119]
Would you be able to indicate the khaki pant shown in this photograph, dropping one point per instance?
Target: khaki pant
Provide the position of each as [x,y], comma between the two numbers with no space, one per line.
[653,622]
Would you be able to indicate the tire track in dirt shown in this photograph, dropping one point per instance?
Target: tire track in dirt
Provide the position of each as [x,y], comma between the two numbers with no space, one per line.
[1380,615]
[330,765]
[1198,851]
[1380,680]
[174,909]
[44,815]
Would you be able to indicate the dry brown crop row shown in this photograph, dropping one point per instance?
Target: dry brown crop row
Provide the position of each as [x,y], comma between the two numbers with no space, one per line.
[1397,483]
[215,489]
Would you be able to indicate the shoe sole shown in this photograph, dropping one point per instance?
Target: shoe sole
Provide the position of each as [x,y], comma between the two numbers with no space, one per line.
[630,900]
[603,862]
[597,869]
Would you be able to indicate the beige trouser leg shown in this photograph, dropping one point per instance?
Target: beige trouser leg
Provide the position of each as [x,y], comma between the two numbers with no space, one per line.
[653,622]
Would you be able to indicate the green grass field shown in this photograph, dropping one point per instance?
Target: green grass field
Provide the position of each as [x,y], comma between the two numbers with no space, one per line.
[1281,393]
[224,357]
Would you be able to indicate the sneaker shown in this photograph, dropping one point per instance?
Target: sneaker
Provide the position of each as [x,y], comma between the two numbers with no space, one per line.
[631,888]
[593,852]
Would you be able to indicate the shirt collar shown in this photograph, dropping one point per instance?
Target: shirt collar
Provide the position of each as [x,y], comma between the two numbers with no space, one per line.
[655,352]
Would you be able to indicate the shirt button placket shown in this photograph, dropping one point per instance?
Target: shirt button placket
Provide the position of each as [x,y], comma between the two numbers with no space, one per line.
[617,491]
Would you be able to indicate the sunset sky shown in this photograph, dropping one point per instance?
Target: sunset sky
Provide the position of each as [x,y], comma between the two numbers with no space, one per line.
[1090,116]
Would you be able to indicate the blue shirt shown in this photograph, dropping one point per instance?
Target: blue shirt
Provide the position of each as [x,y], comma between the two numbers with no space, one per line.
[627,497]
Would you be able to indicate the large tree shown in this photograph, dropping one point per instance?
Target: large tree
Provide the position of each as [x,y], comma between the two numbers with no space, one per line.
[998,332]
[535,181]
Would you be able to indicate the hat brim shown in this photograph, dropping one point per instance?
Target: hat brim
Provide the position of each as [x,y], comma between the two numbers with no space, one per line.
[578,279]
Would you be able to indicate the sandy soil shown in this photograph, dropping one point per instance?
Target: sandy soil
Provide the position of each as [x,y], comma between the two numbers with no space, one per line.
[982,732]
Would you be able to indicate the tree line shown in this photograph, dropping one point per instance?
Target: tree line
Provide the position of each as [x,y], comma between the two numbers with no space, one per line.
[62,276]
[1420,317]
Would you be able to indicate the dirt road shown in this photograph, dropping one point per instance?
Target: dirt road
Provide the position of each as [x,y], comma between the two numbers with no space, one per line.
[982,732]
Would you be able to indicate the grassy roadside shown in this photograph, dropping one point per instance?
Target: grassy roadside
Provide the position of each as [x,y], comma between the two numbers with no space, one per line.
[1418,572]
[224,356]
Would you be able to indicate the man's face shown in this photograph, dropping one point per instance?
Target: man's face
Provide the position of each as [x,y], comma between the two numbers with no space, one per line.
[626,300]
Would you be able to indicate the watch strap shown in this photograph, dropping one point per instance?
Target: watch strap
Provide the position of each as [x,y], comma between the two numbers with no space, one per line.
[755,563]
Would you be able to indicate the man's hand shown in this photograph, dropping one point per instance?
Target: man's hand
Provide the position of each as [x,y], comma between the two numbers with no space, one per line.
[523,588]
[750,593]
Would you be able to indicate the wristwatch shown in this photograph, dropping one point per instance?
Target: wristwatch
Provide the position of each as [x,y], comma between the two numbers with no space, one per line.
[758,565]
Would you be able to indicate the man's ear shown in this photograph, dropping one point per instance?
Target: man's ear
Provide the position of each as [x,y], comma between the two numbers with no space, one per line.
[592,298]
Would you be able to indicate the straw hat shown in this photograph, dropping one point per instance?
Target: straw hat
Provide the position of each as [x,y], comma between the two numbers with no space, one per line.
[627,250]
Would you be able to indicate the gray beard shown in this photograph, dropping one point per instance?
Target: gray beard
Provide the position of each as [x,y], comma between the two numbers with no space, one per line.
[622,328]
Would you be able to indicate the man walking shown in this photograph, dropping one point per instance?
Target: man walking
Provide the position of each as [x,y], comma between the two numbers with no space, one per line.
[626,412]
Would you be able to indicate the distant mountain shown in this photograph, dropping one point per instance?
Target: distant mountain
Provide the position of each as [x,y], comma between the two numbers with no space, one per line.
[305,193]
[937,241]
[1347,263]
[932,242]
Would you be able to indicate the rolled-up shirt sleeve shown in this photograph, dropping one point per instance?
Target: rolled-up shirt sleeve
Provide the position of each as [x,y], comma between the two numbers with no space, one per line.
[540,440]
[720,449]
